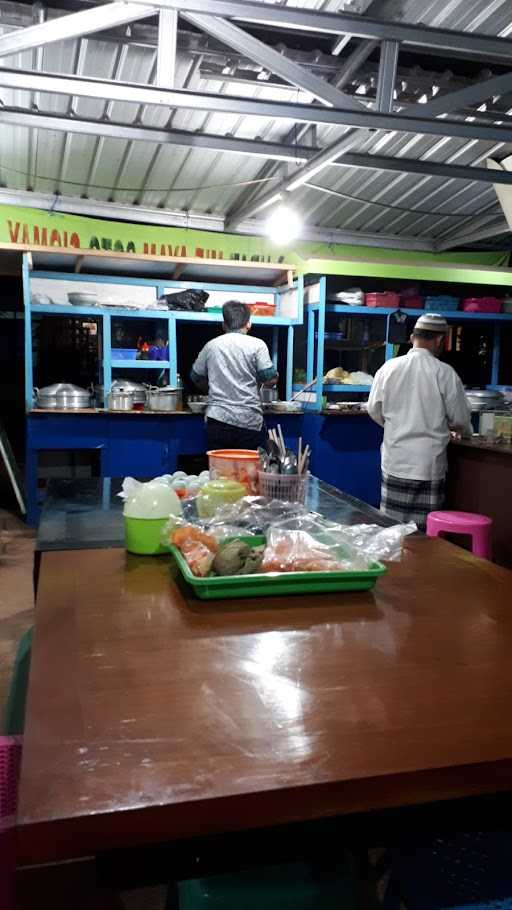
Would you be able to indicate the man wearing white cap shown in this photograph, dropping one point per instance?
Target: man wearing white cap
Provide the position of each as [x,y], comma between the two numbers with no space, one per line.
[418,400]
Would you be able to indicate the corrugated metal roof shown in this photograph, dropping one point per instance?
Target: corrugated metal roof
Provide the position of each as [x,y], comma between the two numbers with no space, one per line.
[202,181]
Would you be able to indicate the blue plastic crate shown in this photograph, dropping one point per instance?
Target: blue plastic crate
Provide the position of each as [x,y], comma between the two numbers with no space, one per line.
[124,353]
[442,304]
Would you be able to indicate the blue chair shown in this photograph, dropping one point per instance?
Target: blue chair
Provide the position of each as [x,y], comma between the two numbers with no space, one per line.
[471,871]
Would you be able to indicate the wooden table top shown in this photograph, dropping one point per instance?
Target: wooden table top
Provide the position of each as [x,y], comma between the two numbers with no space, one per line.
[155,717]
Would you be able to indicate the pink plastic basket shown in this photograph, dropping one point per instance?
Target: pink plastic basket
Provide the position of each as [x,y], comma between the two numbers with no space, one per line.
[10,760]
[481,305]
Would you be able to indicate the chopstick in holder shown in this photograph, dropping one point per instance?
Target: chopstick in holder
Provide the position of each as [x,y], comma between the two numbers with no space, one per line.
[299,454]
[302,462]
[281,439]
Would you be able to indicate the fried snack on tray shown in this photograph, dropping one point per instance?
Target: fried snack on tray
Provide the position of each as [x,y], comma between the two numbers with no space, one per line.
[198,548]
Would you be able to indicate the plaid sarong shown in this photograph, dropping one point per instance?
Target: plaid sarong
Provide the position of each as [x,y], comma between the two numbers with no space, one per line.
[411,500]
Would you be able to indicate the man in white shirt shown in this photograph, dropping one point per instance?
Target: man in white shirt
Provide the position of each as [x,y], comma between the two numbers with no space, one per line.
[418,400]
[232,367]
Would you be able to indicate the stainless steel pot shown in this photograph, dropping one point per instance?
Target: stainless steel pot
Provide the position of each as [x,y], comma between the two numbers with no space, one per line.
[121,401]
[139,390]
[166,399]
[483,399]
[62,396]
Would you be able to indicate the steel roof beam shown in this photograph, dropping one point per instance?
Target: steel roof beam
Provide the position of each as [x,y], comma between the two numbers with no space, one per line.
[416,166]
[146,215]
[272,60]
[467,96]
[271,151]
[132,93]
[62,28]
[437,39]
[256,148]
[319,161]
[167,44]
[387,76]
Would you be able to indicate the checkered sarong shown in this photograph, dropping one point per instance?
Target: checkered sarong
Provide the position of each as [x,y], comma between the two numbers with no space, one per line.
[411,500]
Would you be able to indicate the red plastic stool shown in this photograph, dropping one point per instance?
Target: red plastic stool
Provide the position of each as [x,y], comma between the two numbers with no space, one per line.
[477,526]
[10,759]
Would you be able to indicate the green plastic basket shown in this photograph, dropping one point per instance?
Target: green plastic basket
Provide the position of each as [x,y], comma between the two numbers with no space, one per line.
[143,535]
[273,584]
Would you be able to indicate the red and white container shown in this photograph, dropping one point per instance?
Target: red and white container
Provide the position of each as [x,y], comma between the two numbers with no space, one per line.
[236,464]
[382,299]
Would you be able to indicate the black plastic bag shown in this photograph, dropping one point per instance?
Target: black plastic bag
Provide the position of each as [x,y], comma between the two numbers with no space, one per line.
[186,300]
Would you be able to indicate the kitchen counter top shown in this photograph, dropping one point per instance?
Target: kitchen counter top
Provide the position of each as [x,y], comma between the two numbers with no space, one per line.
[478,444]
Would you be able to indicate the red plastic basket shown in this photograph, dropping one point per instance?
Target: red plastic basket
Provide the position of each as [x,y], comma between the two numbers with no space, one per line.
[382,299]
[262,309]
[481,305]
[10,761]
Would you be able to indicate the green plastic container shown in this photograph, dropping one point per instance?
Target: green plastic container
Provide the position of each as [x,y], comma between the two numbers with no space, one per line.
[144,535]
[275,583]
[291,886]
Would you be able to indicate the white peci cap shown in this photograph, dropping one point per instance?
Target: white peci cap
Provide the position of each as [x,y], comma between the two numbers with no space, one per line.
[432,322]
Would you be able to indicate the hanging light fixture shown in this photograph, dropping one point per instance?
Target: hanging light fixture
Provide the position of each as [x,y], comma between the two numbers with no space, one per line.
[283,226]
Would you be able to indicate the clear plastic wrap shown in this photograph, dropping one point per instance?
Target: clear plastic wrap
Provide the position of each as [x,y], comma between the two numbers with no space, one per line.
[310,539]
[379,544]
[308,543]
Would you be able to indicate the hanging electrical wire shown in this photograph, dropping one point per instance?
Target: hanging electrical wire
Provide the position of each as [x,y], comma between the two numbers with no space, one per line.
[385,205]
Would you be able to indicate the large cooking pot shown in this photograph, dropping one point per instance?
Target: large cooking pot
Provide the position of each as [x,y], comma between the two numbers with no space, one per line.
[483,399]
[165,399]
[62,396]
[139,390]
[121,401]
[122,385]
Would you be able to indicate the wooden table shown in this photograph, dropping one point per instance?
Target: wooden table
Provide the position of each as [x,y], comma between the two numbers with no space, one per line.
[153,717]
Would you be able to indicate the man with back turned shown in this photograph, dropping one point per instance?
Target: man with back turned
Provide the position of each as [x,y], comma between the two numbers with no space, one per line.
[418,400]
[232,367]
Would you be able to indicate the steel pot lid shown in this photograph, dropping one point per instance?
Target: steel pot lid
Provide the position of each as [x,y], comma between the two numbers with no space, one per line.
[127,385]
[483,394]
[62,388]
[166,389]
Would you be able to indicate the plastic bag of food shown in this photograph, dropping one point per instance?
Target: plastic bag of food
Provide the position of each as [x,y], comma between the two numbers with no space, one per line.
[377,543]
[154,499]
[310,544]
[254,514]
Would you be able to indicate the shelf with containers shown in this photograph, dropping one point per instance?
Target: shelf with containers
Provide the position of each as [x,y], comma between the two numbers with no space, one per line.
[359,338]
[106,321]
[118,444]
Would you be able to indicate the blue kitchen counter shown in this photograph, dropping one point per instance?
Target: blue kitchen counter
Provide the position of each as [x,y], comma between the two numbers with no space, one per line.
[344,447]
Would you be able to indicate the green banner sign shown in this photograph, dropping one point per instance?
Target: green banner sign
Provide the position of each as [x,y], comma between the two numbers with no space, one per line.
[36,228]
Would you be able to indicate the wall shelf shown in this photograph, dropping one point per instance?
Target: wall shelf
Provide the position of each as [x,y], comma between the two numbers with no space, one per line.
[58,309]
[140,364]
[387,311]
[39,277]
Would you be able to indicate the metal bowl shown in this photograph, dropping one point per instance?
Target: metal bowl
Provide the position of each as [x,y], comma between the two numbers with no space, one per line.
[83,299]
[197,407]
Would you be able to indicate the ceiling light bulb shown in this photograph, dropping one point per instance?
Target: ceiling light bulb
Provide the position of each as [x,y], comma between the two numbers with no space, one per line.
[283,226]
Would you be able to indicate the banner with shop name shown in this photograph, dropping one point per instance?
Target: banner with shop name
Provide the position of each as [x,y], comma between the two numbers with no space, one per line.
[39,228]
